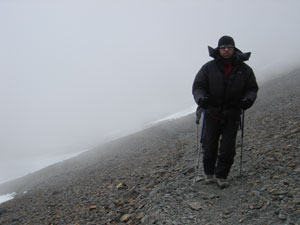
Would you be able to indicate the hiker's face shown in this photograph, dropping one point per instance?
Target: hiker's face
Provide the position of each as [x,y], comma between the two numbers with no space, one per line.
[226,51]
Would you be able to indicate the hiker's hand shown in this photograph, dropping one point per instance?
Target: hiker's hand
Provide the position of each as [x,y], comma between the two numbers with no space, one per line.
[203,102]
[246,103]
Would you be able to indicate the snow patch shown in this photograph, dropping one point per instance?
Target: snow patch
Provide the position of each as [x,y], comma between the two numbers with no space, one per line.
[178,115]
[7,197]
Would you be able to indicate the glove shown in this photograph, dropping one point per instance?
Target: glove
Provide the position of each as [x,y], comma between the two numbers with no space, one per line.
[203,102]
[246,103]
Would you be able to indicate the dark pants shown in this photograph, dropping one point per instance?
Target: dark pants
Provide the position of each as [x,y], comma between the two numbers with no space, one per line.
[219,159]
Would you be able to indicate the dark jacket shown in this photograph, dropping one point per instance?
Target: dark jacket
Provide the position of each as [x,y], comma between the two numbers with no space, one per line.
[225,92]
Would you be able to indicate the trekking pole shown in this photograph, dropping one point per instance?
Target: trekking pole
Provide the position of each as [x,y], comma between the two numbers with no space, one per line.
[197,148]
[242,138]
[198,142]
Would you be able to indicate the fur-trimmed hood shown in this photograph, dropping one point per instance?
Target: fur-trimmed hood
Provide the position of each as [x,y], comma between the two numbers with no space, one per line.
[214,52]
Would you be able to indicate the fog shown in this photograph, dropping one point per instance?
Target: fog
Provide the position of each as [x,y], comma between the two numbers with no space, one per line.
[77,73]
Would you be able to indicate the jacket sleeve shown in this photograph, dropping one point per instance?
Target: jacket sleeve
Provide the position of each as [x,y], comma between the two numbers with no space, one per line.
[251,87]
[200,85]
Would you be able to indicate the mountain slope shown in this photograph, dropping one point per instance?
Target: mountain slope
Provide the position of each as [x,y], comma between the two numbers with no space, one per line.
[147,177]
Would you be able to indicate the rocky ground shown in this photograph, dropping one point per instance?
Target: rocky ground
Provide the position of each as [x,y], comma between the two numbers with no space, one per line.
[147,178]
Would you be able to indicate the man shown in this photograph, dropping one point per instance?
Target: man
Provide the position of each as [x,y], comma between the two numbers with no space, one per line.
[223,88]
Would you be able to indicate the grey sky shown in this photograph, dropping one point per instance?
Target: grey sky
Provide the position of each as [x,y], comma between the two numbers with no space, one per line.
[75,72]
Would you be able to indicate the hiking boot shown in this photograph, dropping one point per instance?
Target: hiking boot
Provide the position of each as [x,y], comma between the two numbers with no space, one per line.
[222,183]
[209,179]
